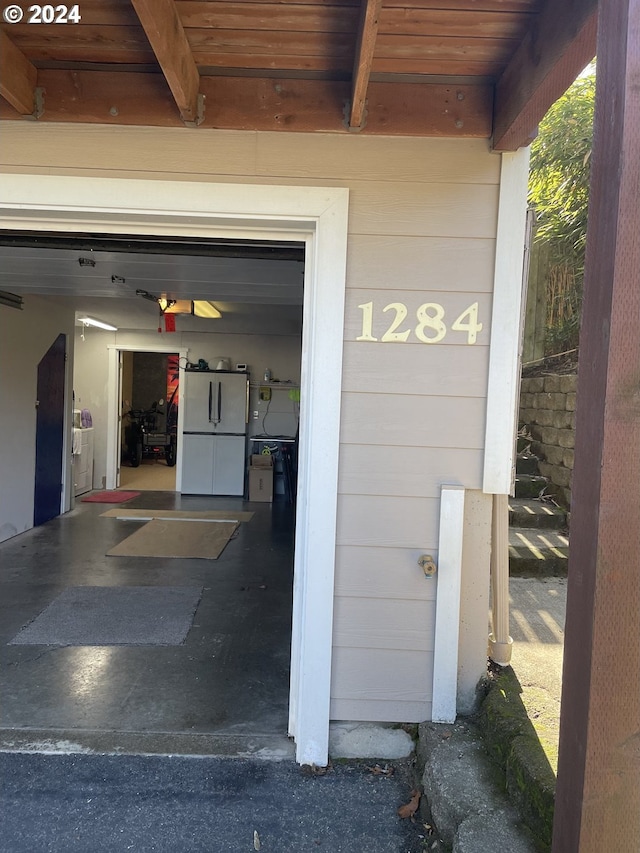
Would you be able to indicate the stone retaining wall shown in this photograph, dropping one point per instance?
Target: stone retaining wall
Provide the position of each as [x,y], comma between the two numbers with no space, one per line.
[547,409]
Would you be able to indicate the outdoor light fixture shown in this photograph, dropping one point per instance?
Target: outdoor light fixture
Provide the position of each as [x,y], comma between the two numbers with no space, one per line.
[89,321]
[11,300]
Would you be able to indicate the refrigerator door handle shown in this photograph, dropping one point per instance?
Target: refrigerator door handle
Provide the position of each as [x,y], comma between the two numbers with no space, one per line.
[210,399]
[219,402]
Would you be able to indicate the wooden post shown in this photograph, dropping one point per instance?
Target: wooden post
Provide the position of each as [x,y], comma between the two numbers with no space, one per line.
[598,792]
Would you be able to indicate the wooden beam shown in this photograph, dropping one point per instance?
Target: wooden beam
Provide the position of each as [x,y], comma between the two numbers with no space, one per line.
[167,38]
[597,803]
[18,77]
[365,45]
[552,54]
[247,103]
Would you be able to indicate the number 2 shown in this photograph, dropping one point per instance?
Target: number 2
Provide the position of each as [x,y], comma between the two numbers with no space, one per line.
[391,336]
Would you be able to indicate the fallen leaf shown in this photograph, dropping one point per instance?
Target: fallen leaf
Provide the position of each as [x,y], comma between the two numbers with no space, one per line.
[256,840]
[376,770]
[410,808]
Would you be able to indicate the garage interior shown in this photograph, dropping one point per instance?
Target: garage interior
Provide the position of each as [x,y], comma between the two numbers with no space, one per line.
[225,689]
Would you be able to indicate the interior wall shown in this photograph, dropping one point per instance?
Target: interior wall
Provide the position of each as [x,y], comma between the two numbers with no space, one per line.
[422,230]
[149,379]
[25,336]
[281,353]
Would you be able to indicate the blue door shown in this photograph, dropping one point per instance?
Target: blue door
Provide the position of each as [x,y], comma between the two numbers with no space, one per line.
[49,432]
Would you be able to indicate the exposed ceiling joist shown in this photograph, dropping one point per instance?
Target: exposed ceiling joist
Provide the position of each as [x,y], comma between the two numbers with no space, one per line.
[549,59]
[167,38]
[367,34]
[18,77]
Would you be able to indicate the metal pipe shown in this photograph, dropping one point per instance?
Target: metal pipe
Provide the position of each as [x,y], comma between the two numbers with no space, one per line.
[500,643]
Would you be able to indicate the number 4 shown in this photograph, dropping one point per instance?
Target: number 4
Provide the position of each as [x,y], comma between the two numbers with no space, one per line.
[470,326]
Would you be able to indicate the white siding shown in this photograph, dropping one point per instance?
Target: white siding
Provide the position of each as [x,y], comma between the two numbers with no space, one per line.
[422,226]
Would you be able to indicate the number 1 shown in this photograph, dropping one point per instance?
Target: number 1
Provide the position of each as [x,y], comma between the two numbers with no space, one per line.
[367,322]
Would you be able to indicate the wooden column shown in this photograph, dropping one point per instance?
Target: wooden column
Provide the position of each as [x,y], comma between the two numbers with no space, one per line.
[598,793]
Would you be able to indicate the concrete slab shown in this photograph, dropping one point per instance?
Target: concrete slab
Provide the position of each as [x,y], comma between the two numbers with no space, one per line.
[368,740]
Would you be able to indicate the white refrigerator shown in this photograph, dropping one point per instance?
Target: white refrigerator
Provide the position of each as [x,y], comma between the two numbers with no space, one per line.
[216,410]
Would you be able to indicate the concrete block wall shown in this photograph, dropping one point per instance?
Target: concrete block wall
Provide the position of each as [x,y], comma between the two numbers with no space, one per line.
[547,410]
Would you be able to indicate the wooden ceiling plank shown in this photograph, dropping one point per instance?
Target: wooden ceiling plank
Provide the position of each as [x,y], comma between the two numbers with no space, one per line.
[365,47]
[548,60]
[18,77]
[166,35]
[246,103]
[470,23]
[456,23]
[263,16]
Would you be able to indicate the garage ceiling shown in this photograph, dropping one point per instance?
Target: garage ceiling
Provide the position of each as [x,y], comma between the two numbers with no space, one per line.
[253,294]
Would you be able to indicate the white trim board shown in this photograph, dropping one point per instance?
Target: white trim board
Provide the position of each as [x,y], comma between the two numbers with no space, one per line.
[317,215]
[447,629]
[506,320]
[113,408]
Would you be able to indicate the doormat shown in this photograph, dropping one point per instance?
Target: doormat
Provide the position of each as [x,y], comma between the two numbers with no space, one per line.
[114,616]
[110,497]
[181,514]
[177,538]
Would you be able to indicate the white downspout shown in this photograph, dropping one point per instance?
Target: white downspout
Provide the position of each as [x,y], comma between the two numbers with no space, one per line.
[500,643]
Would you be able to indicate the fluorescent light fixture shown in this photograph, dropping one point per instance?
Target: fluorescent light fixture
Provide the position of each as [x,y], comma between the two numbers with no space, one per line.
[89,321]
[202,308]
[199,308]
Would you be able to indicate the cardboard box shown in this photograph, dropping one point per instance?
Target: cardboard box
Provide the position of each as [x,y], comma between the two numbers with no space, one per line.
[261,460]
[261,478]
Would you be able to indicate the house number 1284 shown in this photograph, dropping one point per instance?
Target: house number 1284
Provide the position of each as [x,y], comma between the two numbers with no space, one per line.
[431,328]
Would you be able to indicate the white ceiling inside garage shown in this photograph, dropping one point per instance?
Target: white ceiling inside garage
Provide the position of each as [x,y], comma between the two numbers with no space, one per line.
[254,294]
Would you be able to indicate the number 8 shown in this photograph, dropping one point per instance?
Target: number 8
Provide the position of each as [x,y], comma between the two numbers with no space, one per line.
[430,321]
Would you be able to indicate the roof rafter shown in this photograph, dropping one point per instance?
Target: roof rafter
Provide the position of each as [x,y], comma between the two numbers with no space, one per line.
[365,46]
[548,60]
[18,77]
[162,25]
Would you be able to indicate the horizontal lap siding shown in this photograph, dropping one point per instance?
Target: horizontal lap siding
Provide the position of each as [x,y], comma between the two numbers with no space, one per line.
[422,221]
[413,413]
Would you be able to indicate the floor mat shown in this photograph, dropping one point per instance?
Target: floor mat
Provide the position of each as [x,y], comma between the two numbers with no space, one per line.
[195,515]
[114,496]
[177,538]
[114,616]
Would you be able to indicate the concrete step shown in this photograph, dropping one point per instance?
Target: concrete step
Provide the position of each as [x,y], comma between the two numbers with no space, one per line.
[537,553]
[529,485]
[527,463]
[464,793]
[528,512]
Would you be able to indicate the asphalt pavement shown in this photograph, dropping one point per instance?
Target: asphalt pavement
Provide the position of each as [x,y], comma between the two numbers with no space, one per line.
[80,803]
